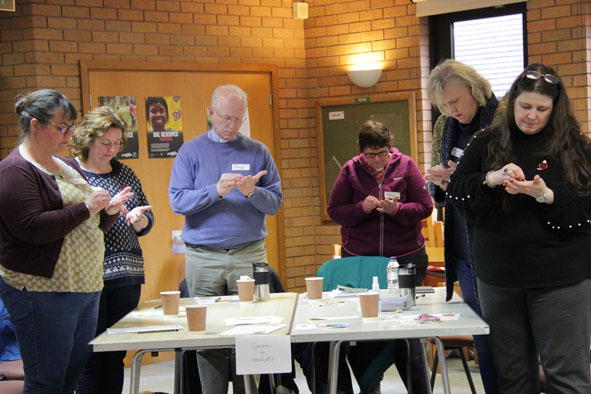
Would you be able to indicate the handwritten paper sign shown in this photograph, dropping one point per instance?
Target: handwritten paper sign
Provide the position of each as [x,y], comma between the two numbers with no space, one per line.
[257,354]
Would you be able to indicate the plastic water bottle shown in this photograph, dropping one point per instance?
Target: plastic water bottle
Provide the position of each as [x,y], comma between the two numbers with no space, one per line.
[392,276]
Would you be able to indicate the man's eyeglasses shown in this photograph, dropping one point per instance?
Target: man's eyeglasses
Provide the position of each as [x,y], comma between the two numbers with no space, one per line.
[63,128]
[226,118]
[535,75]
[381,154]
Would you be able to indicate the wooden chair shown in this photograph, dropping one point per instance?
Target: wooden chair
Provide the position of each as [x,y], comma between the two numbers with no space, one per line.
[433,234]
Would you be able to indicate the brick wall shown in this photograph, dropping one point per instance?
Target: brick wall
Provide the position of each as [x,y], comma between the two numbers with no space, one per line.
[559,35]
[41,44]
[337,33]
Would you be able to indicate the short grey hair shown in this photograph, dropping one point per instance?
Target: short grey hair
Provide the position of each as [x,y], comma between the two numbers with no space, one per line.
[452,71]
[228,91]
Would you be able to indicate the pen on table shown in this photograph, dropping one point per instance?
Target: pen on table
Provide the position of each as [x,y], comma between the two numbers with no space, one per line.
[158,306]
[420,295]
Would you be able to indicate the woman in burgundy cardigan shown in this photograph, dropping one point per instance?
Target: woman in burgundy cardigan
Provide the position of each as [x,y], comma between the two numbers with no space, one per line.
[51,245]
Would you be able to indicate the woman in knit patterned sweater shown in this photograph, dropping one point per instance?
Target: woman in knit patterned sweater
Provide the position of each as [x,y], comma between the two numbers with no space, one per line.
[95,143]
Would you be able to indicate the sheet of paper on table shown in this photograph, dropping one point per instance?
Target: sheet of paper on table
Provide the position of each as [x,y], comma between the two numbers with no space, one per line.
[253,329]
[216,300]
[263,354]
[321,326]
[415,318]
[157,311]
[237,321]
[129,330]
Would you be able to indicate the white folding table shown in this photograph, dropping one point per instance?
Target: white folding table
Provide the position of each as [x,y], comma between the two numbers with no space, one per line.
[389,325]
[280,304]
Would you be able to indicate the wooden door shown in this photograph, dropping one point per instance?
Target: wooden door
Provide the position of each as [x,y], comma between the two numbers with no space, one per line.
[164,271]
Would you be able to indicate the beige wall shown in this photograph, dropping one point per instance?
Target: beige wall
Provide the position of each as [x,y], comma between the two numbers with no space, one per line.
[43,41]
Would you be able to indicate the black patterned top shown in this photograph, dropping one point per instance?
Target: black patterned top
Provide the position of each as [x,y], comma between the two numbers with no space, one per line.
[124,263]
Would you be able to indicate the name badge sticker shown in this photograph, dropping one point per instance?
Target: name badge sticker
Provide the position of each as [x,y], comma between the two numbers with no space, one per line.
[391,195]
[240,167]
[457,152]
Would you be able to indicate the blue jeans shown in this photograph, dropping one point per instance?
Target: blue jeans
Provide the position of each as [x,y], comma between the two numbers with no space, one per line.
[488,372]
[103,373]
[53,330]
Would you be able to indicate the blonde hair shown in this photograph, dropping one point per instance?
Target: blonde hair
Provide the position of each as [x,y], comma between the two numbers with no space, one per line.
[94,125]
[452,71]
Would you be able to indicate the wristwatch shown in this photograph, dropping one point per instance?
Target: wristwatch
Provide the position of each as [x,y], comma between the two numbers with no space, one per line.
[542,198]
[249,195]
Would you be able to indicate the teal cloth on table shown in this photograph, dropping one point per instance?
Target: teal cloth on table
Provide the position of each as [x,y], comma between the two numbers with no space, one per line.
[358,272]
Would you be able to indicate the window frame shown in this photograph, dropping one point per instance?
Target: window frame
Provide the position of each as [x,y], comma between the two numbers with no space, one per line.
[440,29]
[441,33]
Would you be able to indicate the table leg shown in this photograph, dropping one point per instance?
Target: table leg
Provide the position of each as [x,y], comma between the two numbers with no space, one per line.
[178,370]
[247,387]
[136,364]
[442,365]
[333,366]
[426,364]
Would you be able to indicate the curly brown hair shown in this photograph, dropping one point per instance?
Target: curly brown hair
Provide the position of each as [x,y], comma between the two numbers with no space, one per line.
[94,125]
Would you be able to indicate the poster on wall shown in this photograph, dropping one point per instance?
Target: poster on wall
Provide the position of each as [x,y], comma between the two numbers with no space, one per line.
[126,107]
[164,126]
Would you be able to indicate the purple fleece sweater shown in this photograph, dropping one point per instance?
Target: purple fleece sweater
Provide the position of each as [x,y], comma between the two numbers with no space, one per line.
[379,234]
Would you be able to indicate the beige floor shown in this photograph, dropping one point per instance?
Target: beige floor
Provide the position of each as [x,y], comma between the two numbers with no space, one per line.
[159,377]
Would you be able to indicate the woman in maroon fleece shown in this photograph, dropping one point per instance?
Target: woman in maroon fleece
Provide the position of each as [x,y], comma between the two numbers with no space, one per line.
[380,199]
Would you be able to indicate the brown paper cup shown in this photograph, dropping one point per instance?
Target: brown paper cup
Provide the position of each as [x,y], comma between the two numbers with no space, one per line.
[245,290]
[170,302]
[336,250]
[196,317]
[369,304]
[314,288]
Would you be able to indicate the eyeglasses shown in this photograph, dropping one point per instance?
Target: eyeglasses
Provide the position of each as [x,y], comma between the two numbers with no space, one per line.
[535,75]
[381,154]
[228,119]
[63,128]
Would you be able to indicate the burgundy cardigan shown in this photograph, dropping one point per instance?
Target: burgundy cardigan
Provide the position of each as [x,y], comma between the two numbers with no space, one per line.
[33,220]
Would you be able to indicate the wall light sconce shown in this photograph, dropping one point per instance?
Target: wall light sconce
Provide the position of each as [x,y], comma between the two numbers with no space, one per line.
[300,10]
[365,76]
